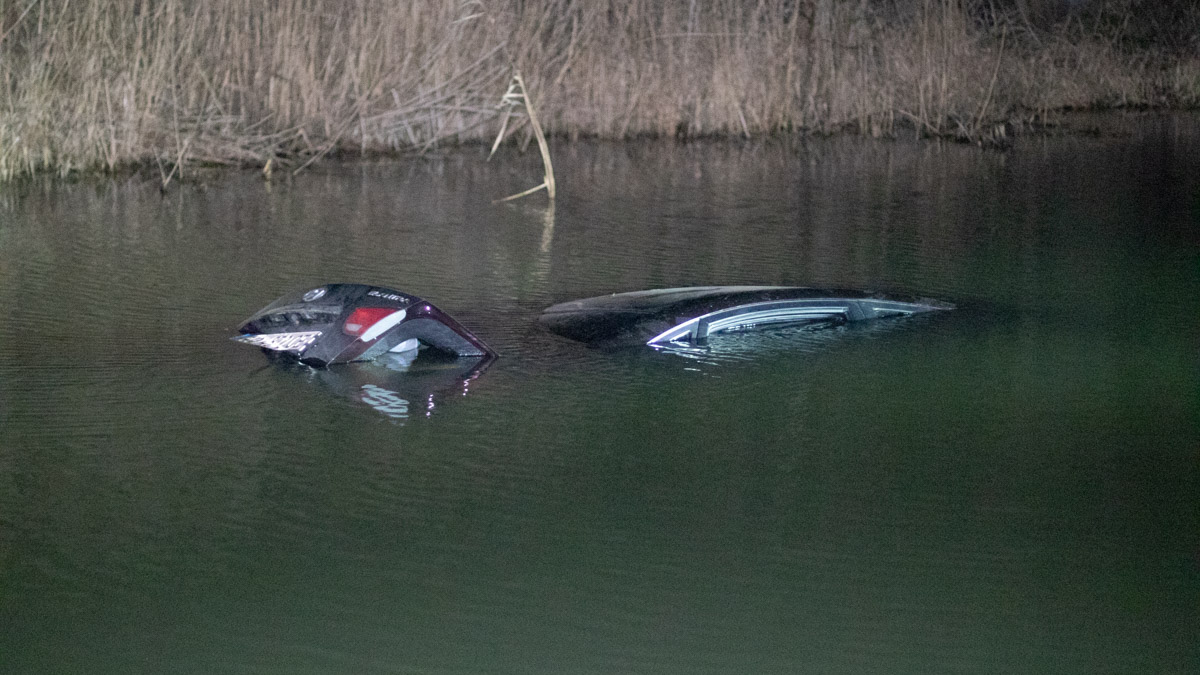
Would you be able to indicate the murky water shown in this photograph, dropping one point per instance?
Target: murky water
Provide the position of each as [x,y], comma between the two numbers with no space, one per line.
[1011,487]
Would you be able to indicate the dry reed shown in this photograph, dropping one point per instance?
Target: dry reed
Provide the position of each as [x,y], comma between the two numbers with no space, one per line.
[101,84]
[516,95]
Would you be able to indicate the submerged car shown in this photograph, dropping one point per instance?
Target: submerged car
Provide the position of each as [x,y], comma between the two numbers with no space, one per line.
[690,315]
[340,323]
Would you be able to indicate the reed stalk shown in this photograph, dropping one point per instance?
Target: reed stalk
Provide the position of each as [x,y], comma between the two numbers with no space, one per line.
[518,95]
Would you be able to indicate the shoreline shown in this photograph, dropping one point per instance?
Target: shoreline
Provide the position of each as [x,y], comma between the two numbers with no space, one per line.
[1081,124]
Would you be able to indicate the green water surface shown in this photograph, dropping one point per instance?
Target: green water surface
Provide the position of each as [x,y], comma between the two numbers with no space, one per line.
[1010,487]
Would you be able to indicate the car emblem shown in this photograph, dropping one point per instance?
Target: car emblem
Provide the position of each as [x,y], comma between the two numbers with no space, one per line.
[314,294]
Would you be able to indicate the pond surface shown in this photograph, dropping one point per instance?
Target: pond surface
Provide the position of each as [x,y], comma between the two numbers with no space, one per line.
[1009,487]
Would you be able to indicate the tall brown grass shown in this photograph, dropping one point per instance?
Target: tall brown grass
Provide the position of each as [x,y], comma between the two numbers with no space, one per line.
[101,84]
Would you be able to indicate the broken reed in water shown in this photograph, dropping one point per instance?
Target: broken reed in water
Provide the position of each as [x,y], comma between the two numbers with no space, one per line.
[98,84]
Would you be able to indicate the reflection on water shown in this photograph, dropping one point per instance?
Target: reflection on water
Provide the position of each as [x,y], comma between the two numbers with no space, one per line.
[402,386]
[1007,487]
[396,385]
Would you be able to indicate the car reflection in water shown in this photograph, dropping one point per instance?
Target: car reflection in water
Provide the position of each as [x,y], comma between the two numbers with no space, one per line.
[398,386]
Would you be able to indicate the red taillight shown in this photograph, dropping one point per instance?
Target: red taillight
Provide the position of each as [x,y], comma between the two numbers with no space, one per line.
[363,318]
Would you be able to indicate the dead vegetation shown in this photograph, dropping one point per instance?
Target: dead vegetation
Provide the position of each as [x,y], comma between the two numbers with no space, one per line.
[101,84]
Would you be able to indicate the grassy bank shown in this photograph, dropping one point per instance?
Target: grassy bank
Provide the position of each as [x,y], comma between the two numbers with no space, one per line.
[101,84]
